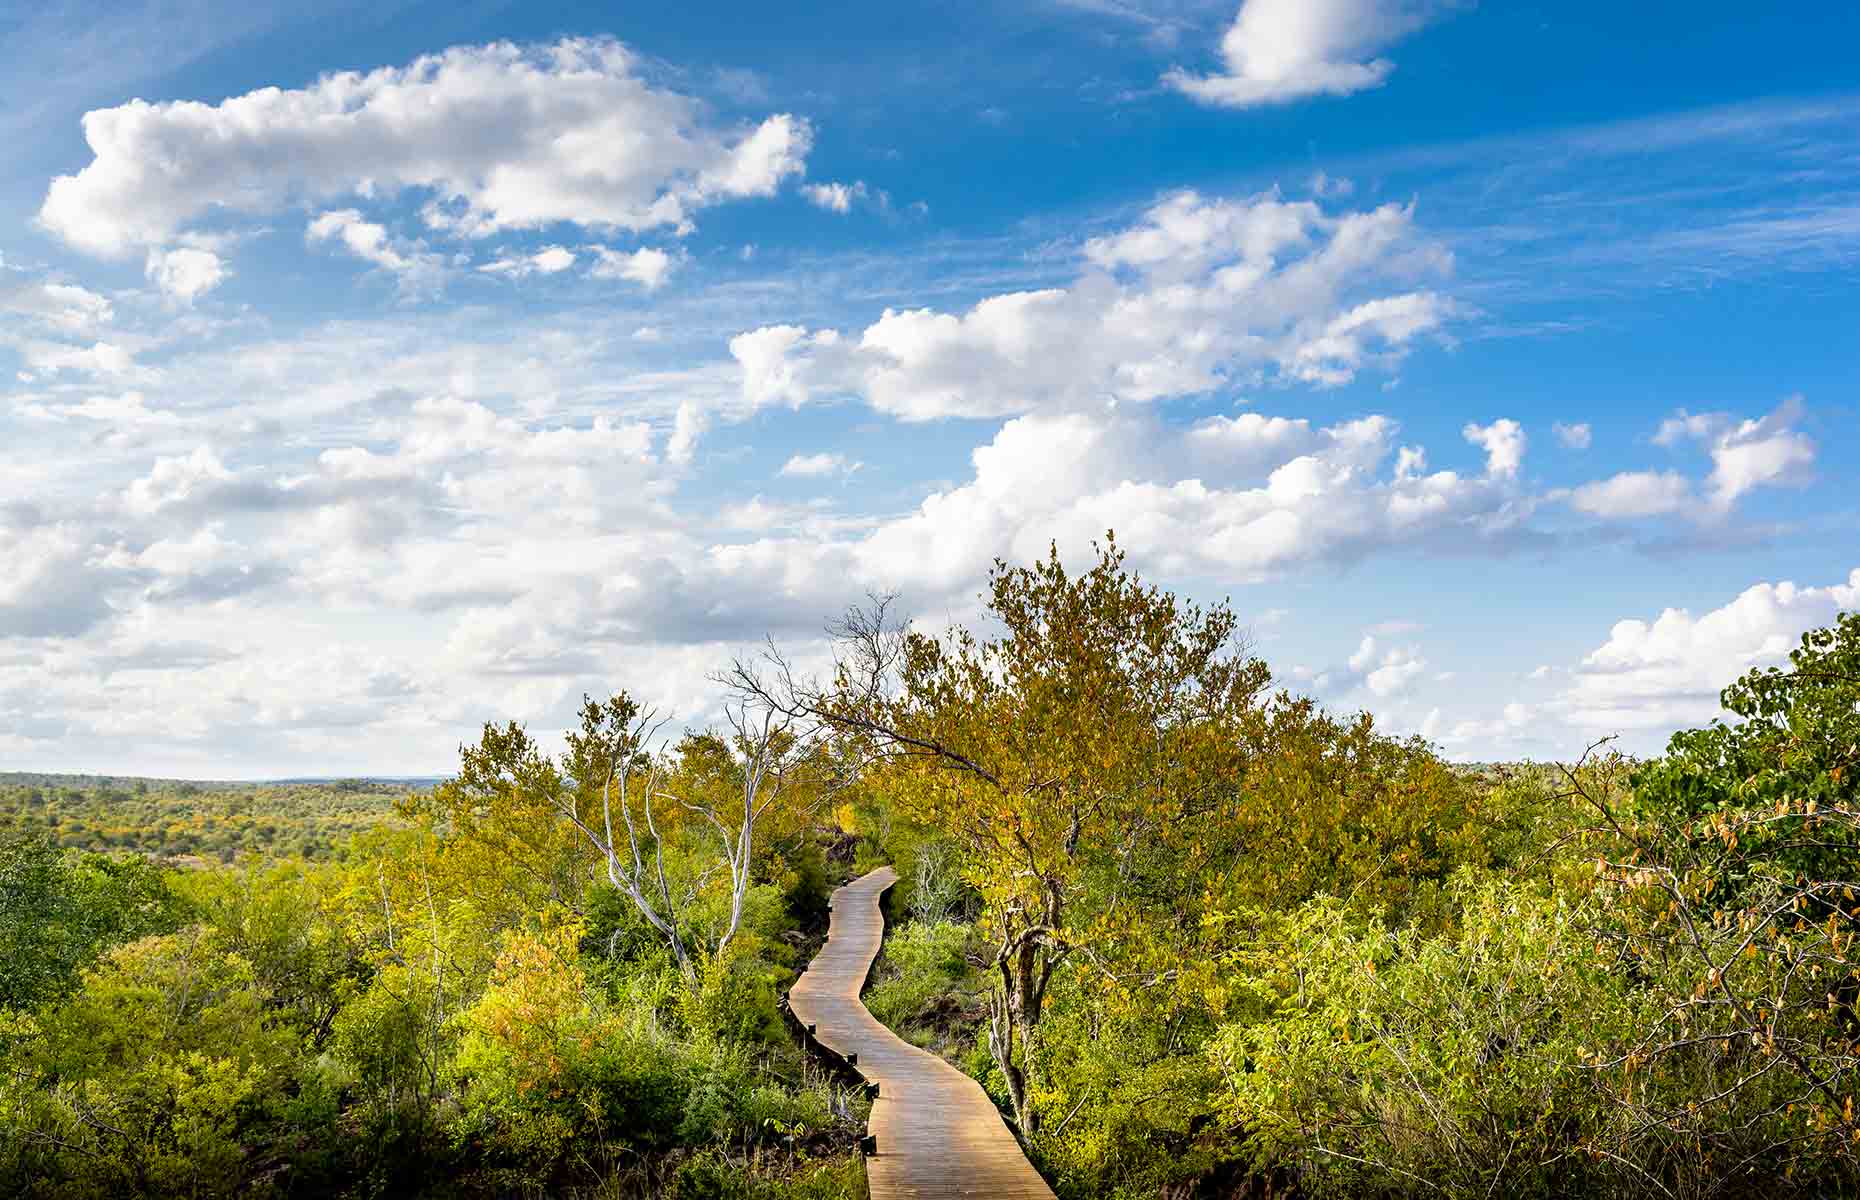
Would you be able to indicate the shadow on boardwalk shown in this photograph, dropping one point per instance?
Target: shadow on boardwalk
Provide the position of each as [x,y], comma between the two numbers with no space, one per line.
[938,1134]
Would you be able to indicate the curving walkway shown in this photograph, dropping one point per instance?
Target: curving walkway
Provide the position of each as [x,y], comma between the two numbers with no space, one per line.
[938,1133]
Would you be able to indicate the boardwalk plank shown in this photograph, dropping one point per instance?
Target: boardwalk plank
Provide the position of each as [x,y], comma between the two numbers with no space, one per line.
[939,1135]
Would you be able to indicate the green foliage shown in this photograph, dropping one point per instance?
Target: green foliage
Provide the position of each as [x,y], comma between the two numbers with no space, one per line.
[1387,1060]
[193,823]
[1200,937]
[151,1078]
[922,962]
[364,1026]
[734,997]
[59,911]
[711,1176]
[1336,964]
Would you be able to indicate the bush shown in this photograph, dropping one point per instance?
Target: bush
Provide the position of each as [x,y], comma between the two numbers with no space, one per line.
[543,1060]
[921,962]
[734,999]
[159,1076]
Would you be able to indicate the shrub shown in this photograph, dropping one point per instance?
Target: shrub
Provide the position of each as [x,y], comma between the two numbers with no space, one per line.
[921,962]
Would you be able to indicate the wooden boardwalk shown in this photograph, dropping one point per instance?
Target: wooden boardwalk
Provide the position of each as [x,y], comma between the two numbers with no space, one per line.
[938,1133]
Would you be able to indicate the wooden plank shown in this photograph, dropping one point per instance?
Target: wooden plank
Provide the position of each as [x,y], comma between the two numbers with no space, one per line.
[939,1135]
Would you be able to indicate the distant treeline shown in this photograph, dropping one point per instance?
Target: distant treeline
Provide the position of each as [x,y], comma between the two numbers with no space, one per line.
[192,820]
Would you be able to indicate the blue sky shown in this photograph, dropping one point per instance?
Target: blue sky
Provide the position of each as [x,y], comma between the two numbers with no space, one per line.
[370,373]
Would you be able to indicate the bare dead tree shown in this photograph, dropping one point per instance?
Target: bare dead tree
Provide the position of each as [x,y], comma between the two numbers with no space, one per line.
[621,737]
[774,762]
[779,756]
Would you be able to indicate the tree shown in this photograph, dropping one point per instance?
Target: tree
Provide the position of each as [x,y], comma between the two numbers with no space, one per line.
[1099,733]
[615,802]
[1734,871]
[60,910]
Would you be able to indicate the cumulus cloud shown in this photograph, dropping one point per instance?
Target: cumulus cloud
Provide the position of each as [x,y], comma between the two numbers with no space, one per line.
[1502,730]
[1201,295]
[172,480]
[63,307]
[51,587]
[1762,452]
[1503,441]
[1668,672]
[125,416]
[1299,495]
[1386,671]
[1748,454]
[98,358]
[688,425]
[1375,674]
[1278,51]
[1634,494]
[185,274]
[500,137]
[649,268]
[551,554]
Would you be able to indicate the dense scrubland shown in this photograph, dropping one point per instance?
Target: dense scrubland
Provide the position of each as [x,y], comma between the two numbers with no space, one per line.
[188,822]
[1195,934]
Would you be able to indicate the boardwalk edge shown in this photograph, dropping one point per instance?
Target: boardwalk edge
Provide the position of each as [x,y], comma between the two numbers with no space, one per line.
[842,1066]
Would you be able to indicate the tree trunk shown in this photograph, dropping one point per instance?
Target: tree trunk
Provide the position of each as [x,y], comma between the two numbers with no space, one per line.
[1001,1037]
[1014,1016]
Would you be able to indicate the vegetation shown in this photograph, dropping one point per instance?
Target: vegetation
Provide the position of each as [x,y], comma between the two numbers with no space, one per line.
[1198,936]
[457,1005]
[192,823]
[1229,942]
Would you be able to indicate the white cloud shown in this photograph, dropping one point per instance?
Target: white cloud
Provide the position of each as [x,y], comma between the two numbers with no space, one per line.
[1199,296]
[649,268]
[1573,436]
[1385,672]
[1668,672]
[1513,719]
[1765,452]
[174,480]
[1330,187]
[98,358]
[1634,494]
[816,465]
[502,137]
[122,412]
[185,274]
[1277,51]
[835,197]
[64,307]
[550,260]
[1503,441]
[1745,455]
[1325,495]
[688,425]
[50,587]
[417,268]
[1760,453]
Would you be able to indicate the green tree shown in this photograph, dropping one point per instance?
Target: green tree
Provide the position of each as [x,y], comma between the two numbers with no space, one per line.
[1734,870]
[60,910]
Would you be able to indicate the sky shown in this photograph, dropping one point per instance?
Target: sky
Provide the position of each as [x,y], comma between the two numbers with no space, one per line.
[371,371]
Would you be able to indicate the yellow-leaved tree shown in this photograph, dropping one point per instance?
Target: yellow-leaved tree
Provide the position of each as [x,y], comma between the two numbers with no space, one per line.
[1075,752]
